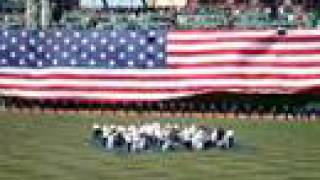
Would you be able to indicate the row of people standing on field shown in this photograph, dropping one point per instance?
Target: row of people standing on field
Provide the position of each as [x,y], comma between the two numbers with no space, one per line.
[153,136]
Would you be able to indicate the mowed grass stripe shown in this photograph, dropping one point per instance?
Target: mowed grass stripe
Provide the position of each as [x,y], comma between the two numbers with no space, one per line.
[37,147]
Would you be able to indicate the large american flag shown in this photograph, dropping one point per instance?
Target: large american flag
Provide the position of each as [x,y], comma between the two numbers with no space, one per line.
[152,65]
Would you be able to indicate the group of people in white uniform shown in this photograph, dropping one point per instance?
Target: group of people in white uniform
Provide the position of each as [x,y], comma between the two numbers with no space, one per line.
[154,136]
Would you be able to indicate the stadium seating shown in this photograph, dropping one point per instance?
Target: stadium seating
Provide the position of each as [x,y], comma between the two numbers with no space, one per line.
[94,15]
[12,6]
[74,20]
[213,18]
[205,18]
[81,20]
[314,18]
[12,21]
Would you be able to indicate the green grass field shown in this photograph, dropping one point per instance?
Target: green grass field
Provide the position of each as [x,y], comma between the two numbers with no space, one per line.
[44,147]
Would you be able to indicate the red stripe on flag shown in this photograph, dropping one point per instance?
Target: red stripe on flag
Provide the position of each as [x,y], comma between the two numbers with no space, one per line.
[182,53]
[185,89]
[156,77]
[311,38]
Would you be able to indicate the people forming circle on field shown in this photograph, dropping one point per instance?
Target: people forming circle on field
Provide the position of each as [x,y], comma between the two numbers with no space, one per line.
[157,137]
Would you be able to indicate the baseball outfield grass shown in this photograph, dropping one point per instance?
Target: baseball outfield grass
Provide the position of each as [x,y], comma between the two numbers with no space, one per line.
[44,147]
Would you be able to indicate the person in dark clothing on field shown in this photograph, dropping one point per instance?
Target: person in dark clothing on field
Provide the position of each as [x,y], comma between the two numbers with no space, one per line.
[97,133]
[220,134]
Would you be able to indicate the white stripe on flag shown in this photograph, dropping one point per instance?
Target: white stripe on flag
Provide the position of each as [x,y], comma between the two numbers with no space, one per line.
[243,46]
[165,84]
[90,95]
[214,70]
[243,57]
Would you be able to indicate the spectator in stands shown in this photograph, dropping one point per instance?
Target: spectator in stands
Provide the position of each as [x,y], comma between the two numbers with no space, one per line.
[93,22]
[57,13]
[105,4]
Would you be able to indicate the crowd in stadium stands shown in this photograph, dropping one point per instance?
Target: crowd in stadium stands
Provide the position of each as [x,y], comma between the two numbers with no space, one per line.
[169,15]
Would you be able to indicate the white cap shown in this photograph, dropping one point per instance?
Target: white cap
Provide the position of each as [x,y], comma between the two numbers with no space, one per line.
[95,126]
[230,133]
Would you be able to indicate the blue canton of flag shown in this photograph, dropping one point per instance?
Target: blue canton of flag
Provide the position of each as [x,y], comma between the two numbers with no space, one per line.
[82,49]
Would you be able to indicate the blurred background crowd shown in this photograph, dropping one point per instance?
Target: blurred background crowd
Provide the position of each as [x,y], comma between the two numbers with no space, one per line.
[160,14]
